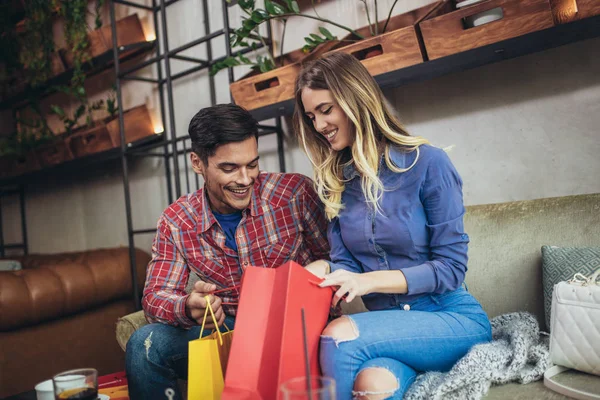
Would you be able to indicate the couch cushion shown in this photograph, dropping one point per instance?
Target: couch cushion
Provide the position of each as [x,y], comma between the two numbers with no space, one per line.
[127,325]
[561,264]
[505,261]
[517,391]
[58,285]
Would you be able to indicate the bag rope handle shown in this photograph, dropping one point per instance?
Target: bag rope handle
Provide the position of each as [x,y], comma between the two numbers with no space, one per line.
[212,314]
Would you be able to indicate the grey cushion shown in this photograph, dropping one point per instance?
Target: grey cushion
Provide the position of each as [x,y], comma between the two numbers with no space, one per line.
[561,263]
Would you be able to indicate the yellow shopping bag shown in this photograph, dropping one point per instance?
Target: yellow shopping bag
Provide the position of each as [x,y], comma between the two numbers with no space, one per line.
[207,362]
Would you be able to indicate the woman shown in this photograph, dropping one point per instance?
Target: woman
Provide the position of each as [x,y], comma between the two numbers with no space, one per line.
[396,233]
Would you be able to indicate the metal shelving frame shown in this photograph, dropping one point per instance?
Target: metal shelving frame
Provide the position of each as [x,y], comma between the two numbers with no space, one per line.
[172,146]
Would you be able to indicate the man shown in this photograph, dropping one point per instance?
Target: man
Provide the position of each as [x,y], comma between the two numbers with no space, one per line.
[241,217]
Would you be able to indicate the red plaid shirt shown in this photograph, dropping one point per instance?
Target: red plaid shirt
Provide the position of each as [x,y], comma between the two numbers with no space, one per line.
[284,221]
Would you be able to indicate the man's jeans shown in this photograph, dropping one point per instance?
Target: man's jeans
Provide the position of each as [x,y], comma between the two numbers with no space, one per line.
[157,355]
[430,333]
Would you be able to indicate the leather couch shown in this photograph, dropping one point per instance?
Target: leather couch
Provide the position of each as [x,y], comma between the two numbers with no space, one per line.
[59,312]
[505,268]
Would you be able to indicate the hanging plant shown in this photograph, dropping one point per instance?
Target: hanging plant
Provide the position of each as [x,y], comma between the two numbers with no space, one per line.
[98,11]
[36,43]
[76,36]
[10,66]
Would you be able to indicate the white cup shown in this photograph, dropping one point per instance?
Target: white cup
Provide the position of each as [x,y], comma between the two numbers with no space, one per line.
[44,390]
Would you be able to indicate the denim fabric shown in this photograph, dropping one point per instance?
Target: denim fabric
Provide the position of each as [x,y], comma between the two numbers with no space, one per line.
[436,331]
[156,356]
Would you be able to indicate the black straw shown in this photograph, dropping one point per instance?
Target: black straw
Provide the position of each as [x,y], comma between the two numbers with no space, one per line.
[306,361]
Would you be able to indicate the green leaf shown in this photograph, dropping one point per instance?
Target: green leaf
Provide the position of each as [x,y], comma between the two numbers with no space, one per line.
[57,110]
[326,33]
[310,41]
[244,44]
[246,4]
[79,112]
[248,24]
[259,16]
[244,59]
[274,8]
[295,7]
[231,62]
[317,38]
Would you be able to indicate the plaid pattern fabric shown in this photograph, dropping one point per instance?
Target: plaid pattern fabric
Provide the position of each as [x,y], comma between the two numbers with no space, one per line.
[284,221]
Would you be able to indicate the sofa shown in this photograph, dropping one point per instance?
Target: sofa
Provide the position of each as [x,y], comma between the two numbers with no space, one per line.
[59,312]
[505,267]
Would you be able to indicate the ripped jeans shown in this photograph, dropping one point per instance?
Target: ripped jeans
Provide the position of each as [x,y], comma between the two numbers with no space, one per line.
[430,333]
[156,356]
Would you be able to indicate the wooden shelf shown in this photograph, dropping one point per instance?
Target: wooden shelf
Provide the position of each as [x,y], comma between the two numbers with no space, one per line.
[83,162]
[97,65]
[527,44]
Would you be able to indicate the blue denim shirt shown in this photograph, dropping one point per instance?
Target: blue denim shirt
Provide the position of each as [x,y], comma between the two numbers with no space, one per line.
[419,231]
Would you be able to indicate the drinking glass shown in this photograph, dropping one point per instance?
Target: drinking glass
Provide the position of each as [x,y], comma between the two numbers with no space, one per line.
[76,384]
[320,388]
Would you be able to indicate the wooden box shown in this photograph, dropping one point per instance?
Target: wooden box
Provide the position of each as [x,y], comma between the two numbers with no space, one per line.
[565,11]
[90,141]
[54,153]
[21,165]
[588,8]
[129,30]
[138,125]
[400,46]
[447,34]
[256,90]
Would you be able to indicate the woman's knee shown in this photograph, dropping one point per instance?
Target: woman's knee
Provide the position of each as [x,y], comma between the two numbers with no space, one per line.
[375,384]
[341,330]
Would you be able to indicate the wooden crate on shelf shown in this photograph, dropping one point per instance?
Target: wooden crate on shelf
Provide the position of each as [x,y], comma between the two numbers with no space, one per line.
[565,11]
[447,34]
[588,8]
[138,125]
[54,153]
[256,90]
[15,166]
[399,47]
[129,31]
[90,141]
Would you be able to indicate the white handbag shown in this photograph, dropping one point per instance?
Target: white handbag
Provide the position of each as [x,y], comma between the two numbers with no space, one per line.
[575,330]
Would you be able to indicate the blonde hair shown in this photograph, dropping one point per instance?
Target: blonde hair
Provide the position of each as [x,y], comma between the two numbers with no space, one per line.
[375,126]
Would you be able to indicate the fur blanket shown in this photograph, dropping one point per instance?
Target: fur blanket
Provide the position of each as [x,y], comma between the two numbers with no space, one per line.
[517,353]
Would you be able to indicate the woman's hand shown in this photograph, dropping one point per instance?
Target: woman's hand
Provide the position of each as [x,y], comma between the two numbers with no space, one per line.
[350,284]
[319,268]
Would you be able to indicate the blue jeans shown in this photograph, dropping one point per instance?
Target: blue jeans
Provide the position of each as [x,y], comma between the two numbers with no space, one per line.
[156,356]
[430,333]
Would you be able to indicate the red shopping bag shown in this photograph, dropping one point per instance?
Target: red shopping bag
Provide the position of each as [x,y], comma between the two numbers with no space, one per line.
[268,348]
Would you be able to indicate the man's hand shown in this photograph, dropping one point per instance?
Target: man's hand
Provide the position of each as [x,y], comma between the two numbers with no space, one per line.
[196,304]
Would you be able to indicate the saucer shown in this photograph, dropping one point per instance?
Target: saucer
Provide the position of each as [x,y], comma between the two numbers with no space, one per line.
[103,397]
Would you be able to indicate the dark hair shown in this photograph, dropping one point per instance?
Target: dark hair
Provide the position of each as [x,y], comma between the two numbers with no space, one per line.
[214,126]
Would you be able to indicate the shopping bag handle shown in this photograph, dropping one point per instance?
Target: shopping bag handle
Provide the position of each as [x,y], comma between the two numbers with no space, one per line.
[212,314]
[226,289]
